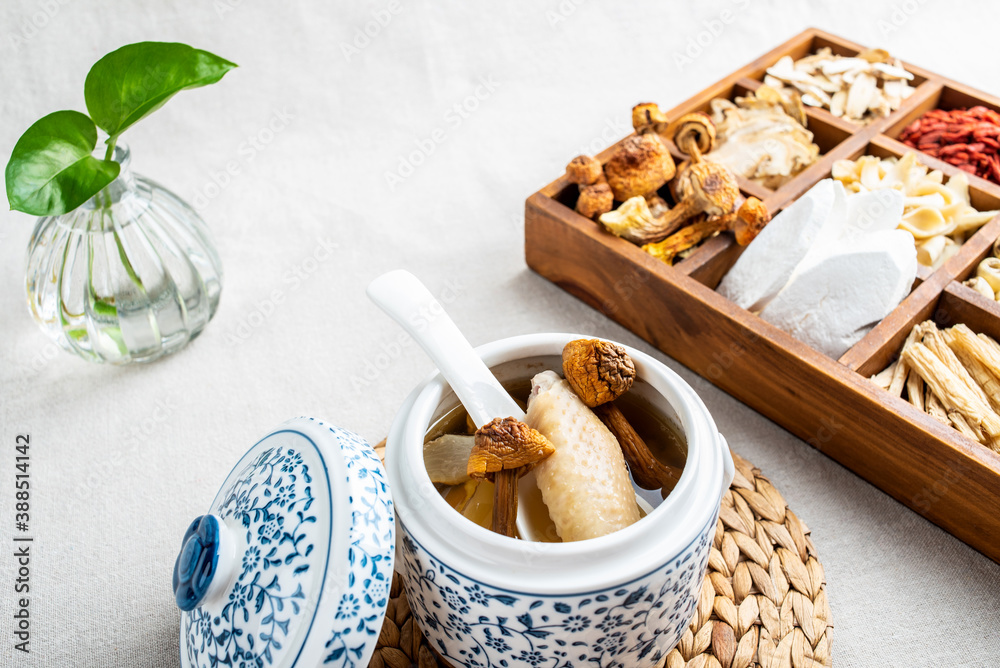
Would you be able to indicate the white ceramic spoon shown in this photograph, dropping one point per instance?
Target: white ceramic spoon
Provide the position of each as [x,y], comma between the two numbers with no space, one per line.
[401,295]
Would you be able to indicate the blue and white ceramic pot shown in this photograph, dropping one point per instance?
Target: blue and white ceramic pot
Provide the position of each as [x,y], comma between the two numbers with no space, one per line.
[292,563]
[622,600]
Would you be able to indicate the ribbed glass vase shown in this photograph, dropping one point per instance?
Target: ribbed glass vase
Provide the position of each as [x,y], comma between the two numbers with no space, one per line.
[129,276]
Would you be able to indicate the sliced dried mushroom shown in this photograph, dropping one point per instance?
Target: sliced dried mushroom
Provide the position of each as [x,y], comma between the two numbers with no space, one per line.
[849,86]
[759,139]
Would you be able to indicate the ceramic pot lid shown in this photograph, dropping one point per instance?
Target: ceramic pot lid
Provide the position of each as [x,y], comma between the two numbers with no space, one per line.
[293,562]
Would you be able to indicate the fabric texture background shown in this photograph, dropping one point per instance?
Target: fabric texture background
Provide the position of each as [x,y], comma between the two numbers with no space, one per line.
[319,166]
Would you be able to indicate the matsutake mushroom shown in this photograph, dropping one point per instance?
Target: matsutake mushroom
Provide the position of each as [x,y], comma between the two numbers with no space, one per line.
[504,450]
[640,166]
[693,134]
[704,187]
[647,118]
[600,372]
[595,196]
[746,223]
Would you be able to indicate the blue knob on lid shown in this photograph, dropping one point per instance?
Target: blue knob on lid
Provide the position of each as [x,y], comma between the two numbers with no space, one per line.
[198,565]
[292,564]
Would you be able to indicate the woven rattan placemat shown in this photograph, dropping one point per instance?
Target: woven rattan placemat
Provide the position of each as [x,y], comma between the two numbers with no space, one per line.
[763,603]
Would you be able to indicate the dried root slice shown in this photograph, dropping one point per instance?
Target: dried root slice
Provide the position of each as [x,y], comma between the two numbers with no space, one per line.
[953,392]
[446,458]
[585,483]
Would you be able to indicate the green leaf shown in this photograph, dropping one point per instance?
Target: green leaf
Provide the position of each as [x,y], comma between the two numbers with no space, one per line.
[52,169]
[127,85]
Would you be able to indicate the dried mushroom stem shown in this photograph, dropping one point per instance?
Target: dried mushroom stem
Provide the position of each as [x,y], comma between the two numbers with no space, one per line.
[647,471]
[505,503]
[635,221]
[504,450]
[953,392]
[599,372]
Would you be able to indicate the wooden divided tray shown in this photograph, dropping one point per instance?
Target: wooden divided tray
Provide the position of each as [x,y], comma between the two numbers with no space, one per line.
[831,404]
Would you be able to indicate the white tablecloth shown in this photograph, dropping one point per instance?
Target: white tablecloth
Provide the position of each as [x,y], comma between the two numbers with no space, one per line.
[330,157]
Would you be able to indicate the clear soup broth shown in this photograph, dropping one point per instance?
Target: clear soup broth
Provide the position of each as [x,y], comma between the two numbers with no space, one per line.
[474,499]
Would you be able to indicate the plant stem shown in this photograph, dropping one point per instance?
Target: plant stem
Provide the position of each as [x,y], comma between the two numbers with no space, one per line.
[111,141]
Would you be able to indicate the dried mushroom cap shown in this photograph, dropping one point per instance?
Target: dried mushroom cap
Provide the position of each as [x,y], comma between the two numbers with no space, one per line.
[584,170]
[647,117]
[598,371]
[751,218]
[641,165]
[595,200]
[693,134]
[506,444]
[712,187]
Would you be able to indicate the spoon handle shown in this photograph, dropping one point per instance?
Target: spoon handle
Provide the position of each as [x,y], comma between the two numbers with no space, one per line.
[403,297]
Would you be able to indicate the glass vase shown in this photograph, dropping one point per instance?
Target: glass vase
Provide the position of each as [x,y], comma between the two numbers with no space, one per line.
[129,276]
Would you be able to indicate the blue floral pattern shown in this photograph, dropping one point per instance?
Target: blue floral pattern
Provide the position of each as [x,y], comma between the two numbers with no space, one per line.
[370,558]
[286,600]
[272,501]
[475,625]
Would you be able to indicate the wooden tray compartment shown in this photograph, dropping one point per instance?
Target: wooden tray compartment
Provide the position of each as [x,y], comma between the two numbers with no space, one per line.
[945,95]
[829,403]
